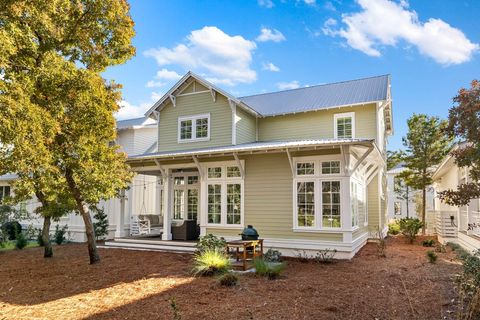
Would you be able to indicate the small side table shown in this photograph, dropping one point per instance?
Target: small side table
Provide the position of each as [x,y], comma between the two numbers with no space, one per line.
[245,251]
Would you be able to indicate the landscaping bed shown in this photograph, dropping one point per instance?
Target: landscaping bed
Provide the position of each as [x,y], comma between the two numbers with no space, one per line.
[141,284]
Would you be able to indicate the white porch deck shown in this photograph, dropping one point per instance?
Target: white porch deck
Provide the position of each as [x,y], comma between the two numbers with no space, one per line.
[152,244]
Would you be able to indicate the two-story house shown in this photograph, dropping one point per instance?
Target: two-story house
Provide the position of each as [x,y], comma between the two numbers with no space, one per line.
[306,167]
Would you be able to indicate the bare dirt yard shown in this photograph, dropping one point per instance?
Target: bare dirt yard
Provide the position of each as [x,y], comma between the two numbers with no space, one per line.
[140,285]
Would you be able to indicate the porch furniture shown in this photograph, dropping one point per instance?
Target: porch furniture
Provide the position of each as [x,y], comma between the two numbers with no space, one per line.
[146,224]
[188,230]
[245,251]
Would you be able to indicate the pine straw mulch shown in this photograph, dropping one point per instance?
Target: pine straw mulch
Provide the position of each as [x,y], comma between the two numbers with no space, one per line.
[139,285]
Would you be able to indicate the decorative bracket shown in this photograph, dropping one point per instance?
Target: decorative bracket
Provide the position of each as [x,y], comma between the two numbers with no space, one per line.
[173,99]
[214,94]
[291,162]
[199,168]
[239,164]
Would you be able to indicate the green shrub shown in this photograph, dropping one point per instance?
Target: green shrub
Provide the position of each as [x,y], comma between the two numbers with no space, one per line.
[468,284]
[228,279]
[20,241]
[272,256]
[271,270]
[428,243]
[40,238]
[175,309]
[59,235]
[394,228]
[211,242]
[410,228]
[12,228]
[325,255]
[100,225]
[432,256]
[441,248]
[210,262]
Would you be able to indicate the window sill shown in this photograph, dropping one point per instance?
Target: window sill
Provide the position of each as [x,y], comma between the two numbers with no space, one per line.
[323,230]
[194,140]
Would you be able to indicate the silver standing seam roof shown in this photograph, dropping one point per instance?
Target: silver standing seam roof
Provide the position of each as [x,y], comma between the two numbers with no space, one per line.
[253,146]
[136,122]
[320,96]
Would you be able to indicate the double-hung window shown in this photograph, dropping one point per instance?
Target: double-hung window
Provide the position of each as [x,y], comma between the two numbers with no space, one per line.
[344,125]
[224,195]
[194,128]
[4,192]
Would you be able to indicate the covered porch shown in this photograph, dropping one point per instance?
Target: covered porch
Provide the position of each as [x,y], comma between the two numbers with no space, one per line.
[213,189]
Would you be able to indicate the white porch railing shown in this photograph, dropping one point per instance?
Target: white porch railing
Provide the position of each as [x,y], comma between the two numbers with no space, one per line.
[446,225]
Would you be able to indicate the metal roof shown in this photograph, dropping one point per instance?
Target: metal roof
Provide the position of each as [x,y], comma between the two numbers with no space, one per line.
[137,122]
[317,97]
[254,146]
[8,177]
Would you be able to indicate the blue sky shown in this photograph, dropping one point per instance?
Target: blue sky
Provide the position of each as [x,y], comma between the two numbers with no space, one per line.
[430,48]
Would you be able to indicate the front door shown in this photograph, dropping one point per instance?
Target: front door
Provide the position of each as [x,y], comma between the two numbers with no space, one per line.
[185,196]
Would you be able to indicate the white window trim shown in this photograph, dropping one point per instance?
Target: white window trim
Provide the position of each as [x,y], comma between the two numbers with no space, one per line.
[318,226]
[340,116]
[223,181]
[193,118]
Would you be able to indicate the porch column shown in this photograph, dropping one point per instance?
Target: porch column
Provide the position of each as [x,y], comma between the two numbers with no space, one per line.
[120,231]
[167,219]
[346,209]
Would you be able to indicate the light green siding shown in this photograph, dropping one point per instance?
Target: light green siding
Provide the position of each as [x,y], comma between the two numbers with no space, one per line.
[246,127]
[193,104]
[316,124]
[373,205]
[269,200]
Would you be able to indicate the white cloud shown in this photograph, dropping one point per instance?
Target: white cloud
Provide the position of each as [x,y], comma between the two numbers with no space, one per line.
[310,2]
[270,67]
[212,52]
[267,34]
[384,22]
[155,84]
[165,75]
[131,111]
[288,85]
[265,3]
[169,75]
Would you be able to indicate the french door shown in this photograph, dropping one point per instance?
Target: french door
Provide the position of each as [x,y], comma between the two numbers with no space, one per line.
[185,197]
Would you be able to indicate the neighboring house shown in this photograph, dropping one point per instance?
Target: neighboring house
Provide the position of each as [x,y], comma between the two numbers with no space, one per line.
[306,167]
[456,224]
[398,192]
[135,136]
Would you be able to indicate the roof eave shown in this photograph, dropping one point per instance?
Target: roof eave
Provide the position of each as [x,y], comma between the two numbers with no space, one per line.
[205,83]
[210,152]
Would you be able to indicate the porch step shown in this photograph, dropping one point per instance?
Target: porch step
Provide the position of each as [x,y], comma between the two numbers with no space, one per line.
[154,245]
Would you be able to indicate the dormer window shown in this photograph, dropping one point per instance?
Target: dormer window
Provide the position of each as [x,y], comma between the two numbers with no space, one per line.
[194,128]
[344,125]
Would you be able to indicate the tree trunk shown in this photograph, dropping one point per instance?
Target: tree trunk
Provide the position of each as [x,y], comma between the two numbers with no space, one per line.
[408,200]
[424,207]
[48,251]
[87,220]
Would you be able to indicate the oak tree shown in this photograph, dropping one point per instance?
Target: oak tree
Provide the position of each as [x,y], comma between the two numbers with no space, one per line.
[56,111]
